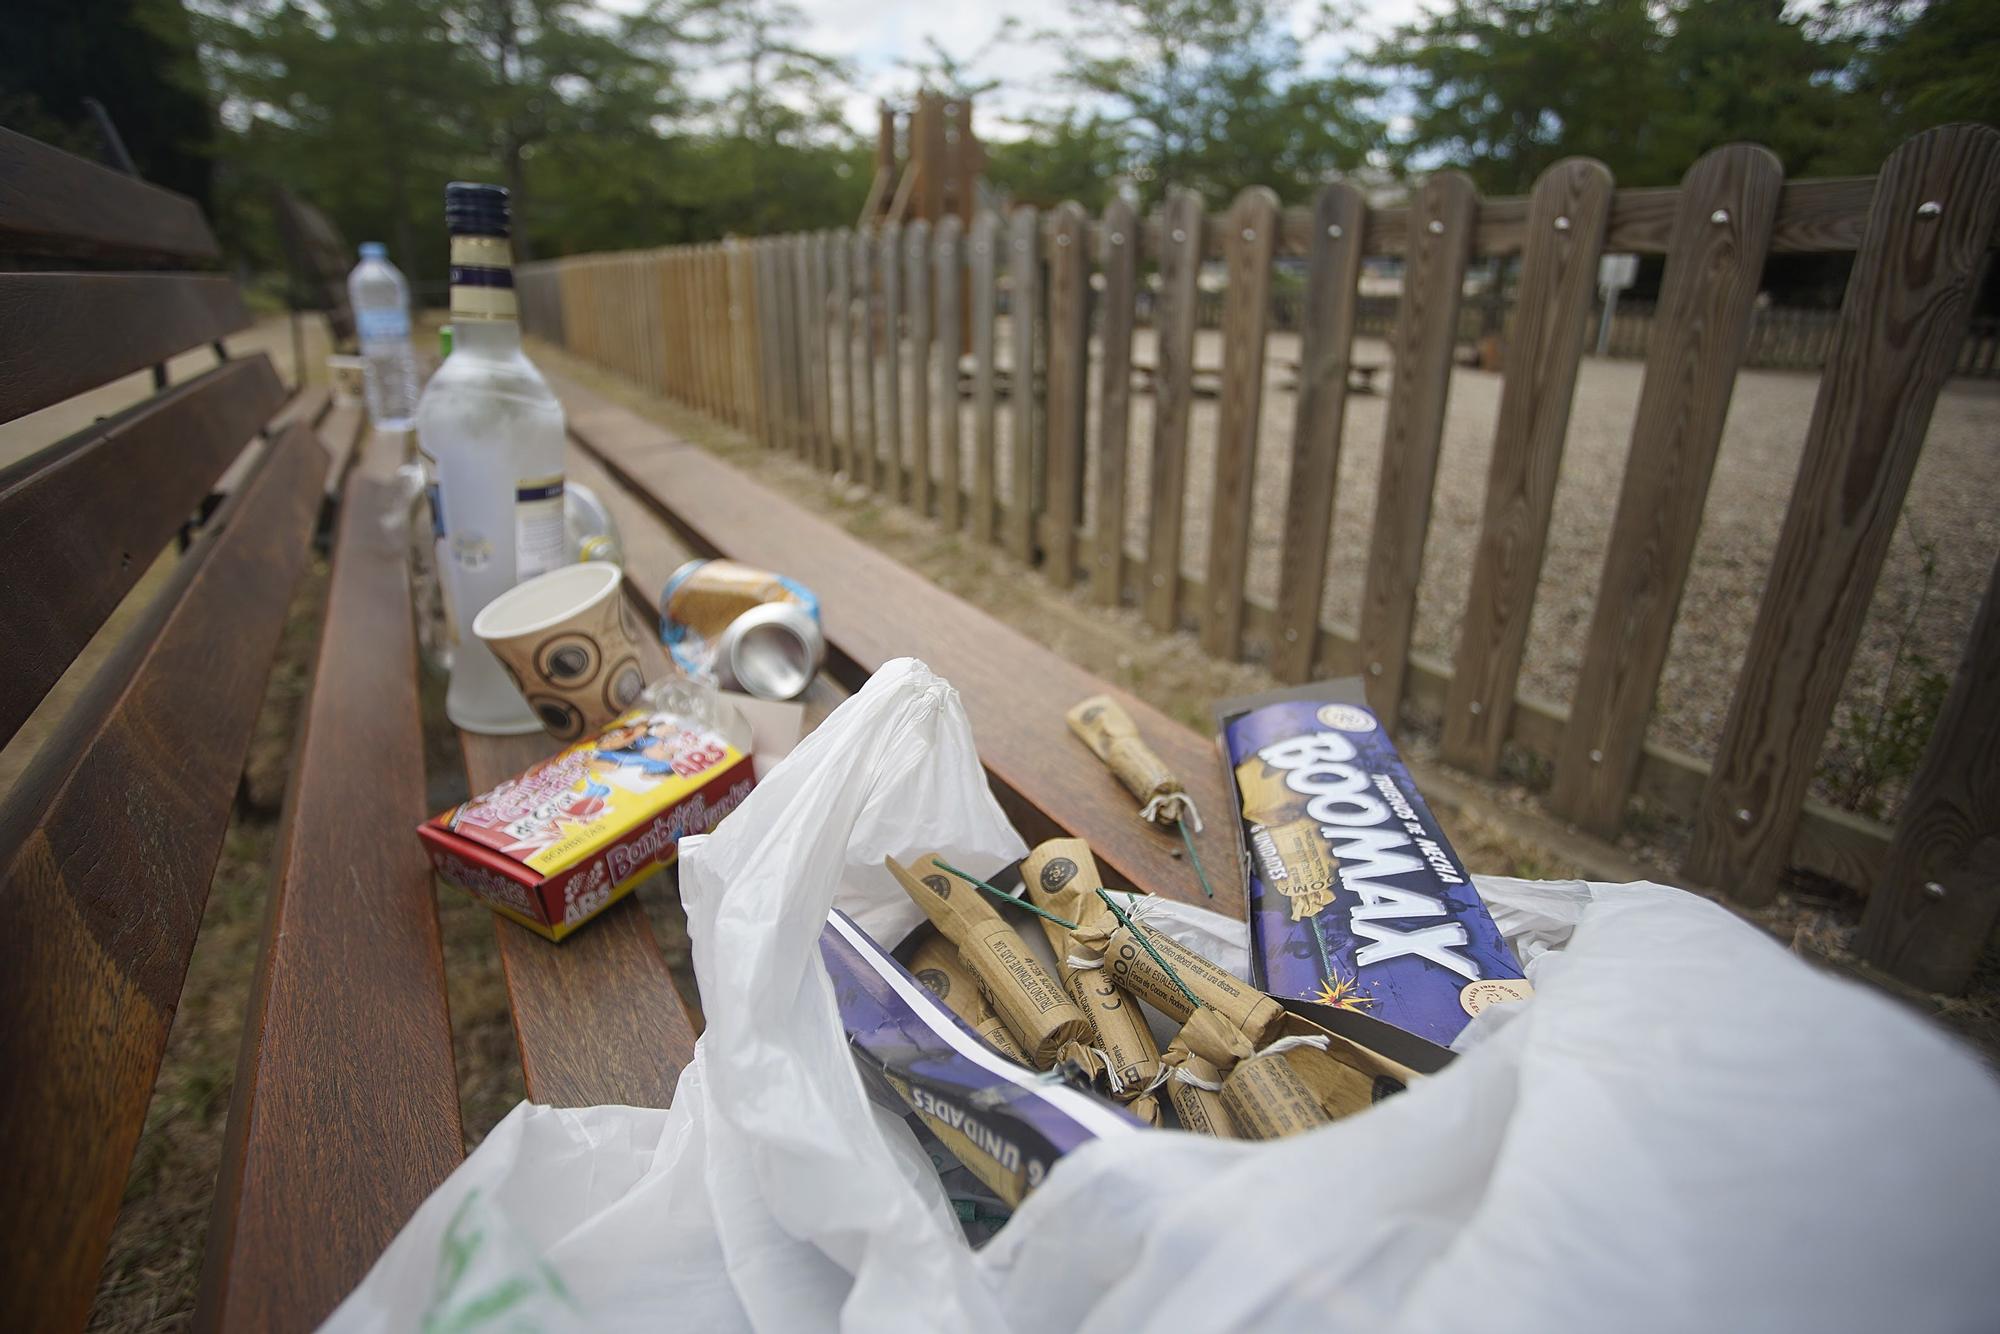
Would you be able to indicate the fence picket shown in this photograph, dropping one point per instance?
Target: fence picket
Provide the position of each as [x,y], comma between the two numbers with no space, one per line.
[1067,377]
[891,479]
[823,452]
[1118,258]
[985,251]
[1024,270]
[917,286]
[1567,215]
[1949,833]
[950,276]
[1326,350]
[1250,238]
[868,447]
[1715,261]
[798,347]
[1173,401]
[843,338]
[1908,303]
[1441,223]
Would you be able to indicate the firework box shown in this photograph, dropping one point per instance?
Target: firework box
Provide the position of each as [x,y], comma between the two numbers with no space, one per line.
[1004,1122]
[575,833]
[1362,918]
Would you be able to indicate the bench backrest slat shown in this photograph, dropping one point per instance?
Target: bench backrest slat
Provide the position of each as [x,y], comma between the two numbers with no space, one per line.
[68,332]
[84,518]
[107,847]
[54,203]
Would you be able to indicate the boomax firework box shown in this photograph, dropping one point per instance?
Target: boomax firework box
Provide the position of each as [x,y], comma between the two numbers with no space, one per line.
[1360,912]
[565,840]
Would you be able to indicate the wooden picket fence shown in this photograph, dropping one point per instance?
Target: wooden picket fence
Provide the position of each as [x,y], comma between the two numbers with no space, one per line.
[842,347]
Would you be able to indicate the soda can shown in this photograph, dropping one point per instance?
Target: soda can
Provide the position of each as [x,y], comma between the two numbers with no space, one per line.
[744,627]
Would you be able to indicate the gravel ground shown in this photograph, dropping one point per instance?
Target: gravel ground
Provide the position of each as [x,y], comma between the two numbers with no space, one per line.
[1951,507]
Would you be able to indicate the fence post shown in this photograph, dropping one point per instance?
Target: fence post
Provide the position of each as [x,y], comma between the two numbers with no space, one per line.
[1566,220]
[1326,350]
[1908,302]
[917,267]
[843,324]
[950,273]
[1024,271]
[1930,917]
[823,452]
[1248,243]
[1715,261]
[1067,378]
[1118,257]
[1441,223]
[985,256]
[1173,400]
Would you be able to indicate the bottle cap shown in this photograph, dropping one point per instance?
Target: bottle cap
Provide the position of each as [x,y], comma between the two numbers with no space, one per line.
[374,250]
[471,209]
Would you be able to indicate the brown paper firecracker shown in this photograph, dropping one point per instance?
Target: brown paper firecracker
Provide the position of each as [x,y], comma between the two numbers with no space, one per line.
[1044,1022]
[1062,879]
[936,964]
[1195,1060]
[1103,725]
[1268,1100]
[1133,967]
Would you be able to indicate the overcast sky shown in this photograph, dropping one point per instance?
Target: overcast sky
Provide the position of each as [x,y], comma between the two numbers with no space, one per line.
[876,36]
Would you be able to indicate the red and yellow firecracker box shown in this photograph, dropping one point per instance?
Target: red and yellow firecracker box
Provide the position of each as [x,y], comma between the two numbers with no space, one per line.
[557,845]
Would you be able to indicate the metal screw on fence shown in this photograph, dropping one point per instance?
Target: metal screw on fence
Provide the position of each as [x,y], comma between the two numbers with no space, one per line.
[1117,238]
[1179,235]
[1435,227]
[1336,231]
[1374,669]
[1062,238]
[1562,224]
[1597,757]
[1743,815]
[1249,233]
[1475,708]
[1929,209]
[1291,636]
[1933,890]
[1720,217]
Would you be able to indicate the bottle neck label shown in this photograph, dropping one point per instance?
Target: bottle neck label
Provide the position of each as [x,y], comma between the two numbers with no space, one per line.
[482,278]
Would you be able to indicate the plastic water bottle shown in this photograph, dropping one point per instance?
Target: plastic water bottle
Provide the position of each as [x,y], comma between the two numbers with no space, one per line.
[381,301]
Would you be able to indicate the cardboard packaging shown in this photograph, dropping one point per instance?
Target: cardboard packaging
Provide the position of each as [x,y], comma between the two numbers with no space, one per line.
[572,835]
[1361,915]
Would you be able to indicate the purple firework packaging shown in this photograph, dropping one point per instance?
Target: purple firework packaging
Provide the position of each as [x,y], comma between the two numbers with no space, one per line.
[1359,909]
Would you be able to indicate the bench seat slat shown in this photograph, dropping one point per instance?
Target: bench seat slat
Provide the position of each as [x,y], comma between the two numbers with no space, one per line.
[875,609]
[109,843]
[596,1016]
[347,1025]
[68,332]
[84,519]
[55,203]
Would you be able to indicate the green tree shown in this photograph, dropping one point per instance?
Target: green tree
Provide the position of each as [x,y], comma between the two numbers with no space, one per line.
[1216,95]
[1927,64]
[1072,156]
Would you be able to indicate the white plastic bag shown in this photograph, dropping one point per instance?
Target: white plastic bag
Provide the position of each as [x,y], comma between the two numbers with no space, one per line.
[1685,1127]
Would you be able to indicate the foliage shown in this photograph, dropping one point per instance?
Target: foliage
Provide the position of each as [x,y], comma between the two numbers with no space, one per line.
[1504,88]
[1214,95]
[1927,64]
[1875,752]
[1074,156]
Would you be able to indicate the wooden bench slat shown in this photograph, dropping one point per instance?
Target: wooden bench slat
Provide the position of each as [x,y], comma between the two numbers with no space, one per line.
[68,332]
[85,517]
[874,610]
[1544,348]
[347,1025]
[55,203]
[1319,419]
[1914,283]
[110,842]
[596,1016]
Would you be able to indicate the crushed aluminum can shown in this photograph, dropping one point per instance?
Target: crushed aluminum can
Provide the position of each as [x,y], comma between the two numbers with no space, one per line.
[745,628]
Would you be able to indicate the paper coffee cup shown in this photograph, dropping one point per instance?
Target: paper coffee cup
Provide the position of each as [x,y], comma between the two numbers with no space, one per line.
[572,645]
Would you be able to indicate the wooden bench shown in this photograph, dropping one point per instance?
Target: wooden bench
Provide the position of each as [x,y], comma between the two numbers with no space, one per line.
[345,1112]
